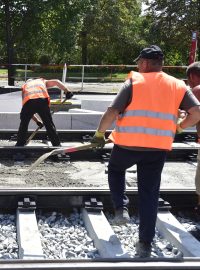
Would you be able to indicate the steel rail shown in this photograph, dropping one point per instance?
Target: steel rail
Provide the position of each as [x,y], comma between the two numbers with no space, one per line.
[104,264]
[71,135]
[75,197]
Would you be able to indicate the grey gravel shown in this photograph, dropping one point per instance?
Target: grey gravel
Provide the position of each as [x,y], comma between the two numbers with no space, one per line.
[65,237]
[128,235]
[8,240]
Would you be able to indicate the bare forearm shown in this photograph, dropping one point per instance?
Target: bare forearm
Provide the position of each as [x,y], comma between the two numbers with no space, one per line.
[192,118]
[59,84]
[107,119]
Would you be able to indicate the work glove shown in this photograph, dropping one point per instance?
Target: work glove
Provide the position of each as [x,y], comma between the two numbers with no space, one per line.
[40,124]
[68,95]
[178,127]
[98,139]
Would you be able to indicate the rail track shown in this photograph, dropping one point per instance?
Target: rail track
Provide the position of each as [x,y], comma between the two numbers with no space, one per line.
[25,202]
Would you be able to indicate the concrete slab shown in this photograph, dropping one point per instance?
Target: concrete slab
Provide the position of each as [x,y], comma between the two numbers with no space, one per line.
[105,240]
[172,230]
[95,104]
[28,236]
[85,121]
[11,102]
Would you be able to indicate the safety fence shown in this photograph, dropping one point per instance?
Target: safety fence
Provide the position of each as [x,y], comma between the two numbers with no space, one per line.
[80,73]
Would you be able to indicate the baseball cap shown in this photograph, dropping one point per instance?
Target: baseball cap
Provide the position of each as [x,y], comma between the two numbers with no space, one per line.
[152,52]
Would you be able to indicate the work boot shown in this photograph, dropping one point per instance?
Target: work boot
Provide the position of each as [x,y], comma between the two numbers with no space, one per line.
[143,249]
[121,216]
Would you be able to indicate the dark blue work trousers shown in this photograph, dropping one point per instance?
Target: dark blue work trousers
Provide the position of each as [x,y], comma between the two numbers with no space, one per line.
[149,169]
[41,107]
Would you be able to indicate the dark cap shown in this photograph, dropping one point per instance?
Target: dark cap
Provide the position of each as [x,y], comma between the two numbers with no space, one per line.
[152,52]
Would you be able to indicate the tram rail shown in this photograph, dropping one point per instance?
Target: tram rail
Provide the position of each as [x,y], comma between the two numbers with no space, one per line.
[54,199]
[60,199]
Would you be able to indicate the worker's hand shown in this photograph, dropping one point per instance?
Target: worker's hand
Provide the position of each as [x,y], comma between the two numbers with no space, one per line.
[98,139]
[40,124]
[68,95]
[182,114]
[179,129]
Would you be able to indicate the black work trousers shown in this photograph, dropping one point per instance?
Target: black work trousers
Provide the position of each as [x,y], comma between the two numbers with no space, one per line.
[41,107]
[149,169]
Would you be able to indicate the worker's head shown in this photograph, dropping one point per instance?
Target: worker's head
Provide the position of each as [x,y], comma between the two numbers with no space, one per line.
[193,74]
[29,80]
[150,59]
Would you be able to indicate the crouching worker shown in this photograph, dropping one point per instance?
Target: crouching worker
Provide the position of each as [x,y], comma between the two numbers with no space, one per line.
[146,112]
[35,99]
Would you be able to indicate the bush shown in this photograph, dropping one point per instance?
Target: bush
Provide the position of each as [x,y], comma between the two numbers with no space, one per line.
[44,60]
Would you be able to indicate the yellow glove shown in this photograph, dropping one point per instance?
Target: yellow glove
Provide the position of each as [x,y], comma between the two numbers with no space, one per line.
[179,129]
[98,139]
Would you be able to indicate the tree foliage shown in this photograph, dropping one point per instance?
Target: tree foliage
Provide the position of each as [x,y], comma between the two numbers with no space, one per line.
[171,24]
[96,31]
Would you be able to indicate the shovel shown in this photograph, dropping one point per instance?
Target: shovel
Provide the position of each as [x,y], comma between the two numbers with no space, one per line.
[38,128]
[62,151]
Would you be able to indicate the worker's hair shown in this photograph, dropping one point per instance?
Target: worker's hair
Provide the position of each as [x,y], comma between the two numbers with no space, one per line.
[156,62]
[194,68]
[154,65]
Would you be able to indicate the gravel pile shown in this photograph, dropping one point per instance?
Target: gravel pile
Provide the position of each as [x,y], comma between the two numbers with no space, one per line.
[128,235]
[65,237]
[8,239]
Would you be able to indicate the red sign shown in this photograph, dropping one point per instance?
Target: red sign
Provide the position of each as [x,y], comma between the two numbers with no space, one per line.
[193,48]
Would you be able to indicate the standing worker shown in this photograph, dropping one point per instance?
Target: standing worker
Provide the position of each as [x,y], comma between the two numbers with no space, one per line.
[35,99]
[146,111]
[193,75]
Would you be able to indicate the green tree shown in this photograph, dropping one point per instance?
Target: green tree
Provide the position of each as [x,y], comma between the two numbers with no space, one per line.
[112,31]
[171,24]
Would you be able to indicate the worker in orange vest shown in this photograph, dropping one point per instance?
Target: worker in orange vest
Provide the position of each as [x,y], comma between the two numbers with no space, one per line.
[35,99]
[193,76]
[146,113]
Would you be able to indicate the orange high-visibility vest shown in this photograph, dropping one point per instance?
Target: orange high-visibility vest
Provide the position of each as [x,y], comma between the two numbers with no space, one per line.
[150,119]
[34,89]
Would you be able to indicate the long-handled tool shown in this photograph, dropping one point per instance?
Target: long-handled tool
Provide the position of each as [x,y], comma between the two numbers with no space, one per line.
[62,151]
[38,128]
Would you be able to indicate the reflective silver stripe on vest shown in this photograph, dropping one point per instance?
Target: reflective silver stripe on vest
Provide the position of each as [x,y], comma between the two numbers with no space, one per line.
[145,113]
[144,130]
[34,85]
[34,92]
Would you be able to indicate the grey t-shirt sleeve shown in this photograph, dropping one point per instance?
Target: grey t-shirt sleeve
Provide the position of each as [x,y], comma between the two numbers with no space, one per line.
[123,98]
[189,100]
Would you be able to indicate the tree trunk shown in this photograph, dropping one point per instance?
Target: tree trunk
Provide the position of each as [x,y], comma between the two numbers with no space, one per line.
[9,43]
[84,47]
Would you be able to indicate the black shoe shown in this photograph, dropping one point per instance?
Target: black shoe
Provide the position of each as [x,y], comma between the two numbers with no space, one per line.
[121,216]
[143,249]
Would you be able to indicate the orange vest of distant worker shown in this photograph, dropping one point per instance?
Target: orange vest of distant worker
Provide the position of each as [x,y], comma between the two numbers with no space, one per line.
[150,119]
[34,89]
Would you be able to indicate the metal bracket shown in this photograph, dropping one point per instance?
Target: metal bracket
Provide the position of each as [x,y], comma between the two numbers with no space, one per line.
[93,205]
[13,137]
[86,138]
[26,204]
[163,205]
